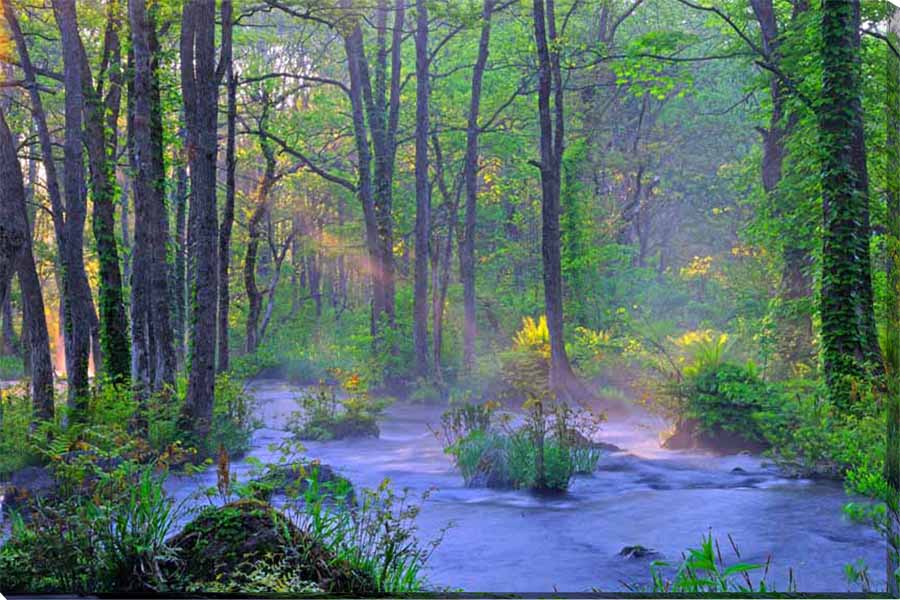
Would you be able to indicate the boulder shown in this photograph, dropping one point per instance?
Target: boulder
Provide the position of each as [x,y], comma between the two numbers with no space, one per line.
[293,479]
[227,542]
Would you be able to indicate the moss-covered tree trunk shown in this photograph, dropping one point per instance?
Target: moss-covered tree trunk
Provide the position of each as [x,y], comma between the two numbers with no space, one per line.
[113,323]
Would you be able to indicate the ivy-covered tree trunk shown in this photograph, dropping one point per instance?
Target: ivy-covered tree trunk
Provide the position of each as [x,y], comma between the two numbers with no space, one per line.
[113,323]
[847,313]
[423,193]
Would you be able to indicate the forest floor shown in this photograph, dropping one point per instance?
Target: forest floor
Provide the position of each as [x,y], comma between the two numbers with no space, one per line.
[518,541]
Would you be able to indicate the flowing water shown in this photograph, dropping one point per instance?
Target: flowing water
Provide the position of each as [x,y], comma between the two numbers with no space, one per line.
[516,541]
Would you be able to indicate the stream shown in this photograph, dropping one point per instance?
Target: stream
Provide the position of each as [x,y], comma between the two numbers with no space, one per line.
[517,541]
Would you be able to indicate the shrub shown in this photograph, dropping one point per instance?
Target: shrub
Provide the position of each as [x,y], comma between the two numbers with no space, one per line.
[725,397]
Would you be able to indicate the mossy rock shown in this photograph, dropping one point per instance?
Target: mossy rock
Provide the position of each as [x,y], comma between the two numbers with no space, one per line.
[224,543]
[294,480]
[341,427]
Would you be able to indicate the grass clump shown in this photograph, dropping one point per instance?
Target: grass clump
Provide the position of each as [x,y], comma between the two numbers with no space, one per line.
[491,452]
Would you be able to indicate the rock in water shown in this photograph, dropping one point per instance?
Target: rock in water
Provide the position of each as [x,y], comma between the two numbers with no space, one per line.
[637,551]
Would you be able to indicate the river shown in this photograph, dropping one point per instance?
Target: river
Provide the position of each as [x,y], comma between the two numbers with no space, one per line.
[517,541]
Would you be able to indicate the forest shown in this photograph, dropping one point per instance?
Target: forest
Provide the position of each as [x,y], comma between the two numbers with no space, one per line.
[375,297]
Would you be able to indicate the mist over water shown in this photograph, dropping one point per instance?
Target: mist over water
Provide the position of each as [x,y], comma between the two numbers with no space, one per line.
[518,541]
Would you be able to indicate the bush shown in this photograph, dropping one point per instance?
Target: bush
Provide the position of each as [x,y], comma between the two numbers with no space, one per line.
[377,537]
[724,398]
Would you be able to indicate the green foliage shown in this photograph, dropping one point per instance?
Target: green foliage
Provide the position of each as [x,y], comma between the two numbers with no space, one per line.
[233,422]
[11,368]
[15,419]
[108,535]
[558,467]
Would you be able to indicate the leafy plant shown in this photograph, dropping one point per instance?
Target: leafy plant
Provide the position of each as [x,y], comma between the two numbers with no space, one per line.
[704,571]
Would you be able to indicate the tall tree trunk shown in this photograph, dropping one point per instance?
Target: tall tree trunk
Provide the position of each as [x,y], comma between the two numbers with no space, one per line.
[423,193]
[254,233]
[228,210]
[77,301]
[199,83]
[16,256]
[153,362]
[467,245]
[551,142]
[795,326]
[846,298]
[441,258]
[355,51]
[160,310]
